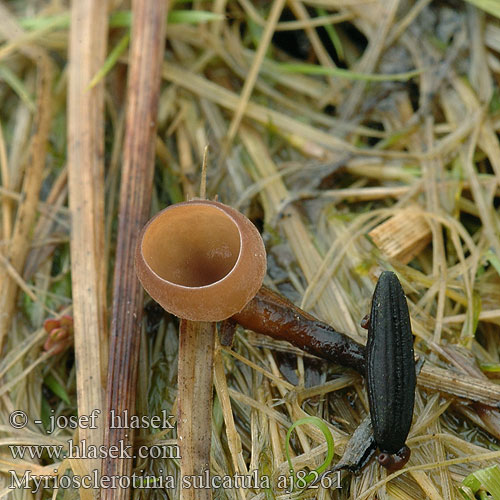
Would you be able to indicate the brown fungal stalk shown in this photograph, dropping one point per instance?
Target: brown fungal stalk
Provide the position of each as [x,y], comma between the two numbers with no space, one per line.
[271,314]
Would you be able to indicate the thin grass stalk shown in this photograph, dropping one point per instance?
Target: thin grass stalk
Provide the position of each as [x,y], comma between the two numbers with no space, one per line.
[233,438]
[146,53]
[57,197]
[87,51]
[254,70]
[7,207]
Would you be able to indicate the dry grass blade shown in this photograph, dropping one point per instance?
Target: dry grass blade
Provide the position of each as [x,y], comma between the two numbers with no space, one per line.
[6,203]
[472,388]
[18,246]
[86,195]
[254,71]
[148,32]
[234,440]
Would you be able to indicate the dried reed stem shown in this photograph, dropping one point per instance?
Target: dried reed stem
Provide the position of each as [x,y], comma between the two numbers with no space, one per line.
[86,196]
[146,52]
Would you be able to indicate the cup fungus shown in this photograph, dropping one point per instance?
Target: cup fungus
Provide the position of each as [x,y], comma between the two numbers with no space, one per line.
[201,260]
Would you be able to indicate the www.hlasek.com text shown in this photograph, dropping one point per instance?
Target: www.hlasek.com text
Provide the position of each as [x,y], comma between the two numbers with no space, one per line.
[83,451]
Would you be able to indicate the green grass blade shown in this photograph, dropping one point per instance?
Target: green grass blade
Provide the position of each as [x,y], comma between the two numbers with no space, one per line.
[334,37]
[493,260]
[487,479]
[56,388]
[193,16]
[490,478]
[490,367]
[59,21]
[120,19]
[266,470]
[17,86]
[317,422]
[111,60]
[123,19]
[490,6]
[45,413]
[314,69]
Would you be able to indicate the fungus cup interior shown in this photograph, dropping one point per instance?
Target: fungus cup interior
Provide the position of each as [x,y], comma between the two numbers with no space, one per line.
[193,247]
